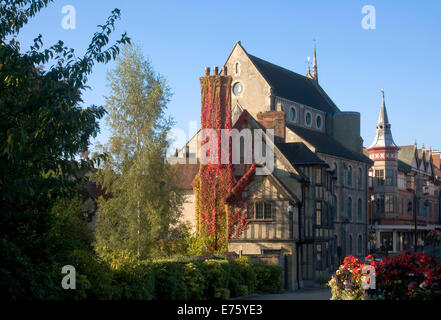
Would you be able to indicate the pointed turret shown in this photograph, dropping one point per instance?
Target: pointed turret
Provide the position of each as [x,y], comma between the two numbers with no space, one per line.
[314,65]
[383,134]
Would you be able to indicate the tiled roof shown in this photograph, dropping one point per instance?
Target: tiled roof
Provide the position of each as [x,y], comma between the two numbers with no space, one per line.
[299,154]
[293,86]
[328,145]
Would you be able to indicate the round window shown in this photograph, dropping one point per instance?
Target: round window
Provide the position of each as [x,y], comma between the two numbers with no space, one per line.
[237,88]
[308,118]
[318,122]
[292,114]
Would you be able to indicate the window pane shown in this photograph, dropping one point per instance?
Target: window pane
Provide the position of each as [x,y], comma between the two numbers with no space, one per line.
[258,210]
[267,213]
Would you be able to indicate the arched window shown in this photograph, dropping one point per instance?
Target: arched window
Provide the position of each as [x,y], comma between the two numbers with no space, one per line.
[349,176]
[360,178]
[237,68]
[360,210]
[349,208]
[359,245]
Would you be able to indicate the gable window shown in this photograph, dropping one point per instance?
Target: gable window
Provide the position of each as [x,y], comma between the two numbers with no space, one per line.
[308,118]
[262,210]
[237,68]
[318,121]
[292,114]
[237,88]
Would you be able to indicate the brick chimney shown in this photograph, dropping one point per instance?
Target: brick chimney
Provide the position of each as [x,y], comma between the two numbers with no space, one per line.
[274,120]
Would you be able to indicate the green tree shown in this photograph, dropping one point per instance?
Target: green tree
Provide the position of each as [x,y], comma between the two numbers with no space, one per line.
[143,207]
[43,128]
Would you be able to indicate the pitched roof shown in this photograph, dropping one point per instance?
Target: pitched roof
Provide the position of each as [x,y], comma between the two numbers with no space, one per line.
[299,154]
[185,174]
[328,145]
[293,86]
[406,155]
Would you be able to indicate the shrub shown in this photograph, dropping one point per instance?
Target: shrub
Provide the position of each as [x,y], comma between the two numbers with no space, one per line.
[269,277]
[194,280]
[137,283]
[243,280]
[217,275]
[97,276]
[169,284]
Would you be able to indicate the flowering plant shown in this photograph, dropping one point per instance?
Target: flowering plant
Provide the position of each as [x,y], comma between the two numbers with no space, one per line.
[405,277]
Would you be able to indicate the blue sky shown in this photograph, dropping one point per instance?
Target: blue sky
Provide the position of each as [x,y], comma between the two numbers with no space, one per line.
[402,55]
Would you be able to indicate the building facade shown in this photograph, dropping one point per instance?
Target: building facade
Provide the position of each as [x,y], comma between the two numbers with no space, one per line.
[404,191]
[312,210]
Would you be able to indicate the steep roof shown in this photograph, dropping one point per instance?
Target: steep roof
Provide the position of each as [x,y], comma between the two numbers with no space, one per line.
[185,174]
[328,145]
[293,86]
[299,154]
[383,132]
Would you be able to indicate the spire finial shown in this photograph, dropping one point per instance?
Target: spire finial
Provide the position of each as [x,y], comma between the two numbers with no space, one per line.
[415,143]
[314,63]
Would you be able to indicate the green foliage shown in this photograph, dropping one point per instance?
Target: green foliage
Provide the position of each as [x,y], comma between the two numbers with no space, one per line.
[43,127]
[217,276]
[269,277]
[194,280]
[169,281]
[135,283]
[142,211]
[243,278]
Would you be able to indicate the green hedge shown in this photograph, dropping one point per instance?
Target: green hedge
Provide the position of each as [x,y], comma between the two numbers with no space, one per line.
[173,279]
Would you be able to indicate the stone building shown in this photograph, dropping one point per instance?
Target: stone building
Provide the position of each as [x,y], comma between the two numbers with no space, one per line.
[404,191]
[312,209]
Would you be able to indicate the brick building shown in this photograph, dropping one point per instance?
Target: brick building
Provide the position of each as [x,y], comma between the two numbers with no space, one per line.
[404,189]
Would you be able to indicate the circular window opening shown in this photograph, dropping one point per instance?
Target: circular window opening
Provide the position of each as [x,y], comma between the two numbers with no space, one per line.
[308,118]
[318,122]
[237,88]
[292,114]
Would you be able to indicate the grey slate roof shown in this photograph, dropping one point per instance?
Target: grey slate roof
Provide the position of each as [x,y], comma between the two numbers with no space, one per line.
[405,157]
[328,145]
[299,154]
[293,86]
